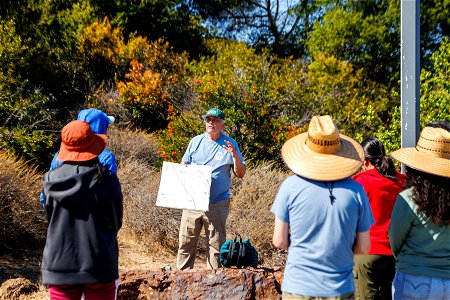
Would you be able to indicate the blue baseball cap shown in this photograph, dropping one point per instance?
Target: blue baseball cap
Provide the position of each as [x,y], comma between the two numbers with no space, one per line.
[97,119]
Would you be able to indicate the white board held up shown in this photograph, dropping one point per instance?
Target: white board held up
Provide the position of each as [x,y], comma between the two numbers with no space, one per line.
[184,186]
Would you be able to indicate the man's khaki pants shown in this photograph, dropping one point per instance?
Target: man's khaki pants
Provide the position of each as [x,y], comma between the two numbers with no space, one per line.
[192,222]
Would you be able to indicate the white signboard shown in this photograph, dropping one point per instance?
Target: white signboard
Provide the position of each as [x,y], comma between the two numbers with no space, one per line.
[184,186]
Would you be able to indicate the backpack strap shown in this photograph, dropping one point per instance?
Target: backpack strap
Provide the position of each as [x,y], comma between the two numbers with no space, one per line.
[241,253]
[238,238]
[238,246]
[230,251]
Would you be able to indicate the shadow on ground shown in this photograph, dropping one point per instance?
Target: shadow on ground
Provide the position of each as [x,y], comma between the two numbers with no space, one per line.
[25,264]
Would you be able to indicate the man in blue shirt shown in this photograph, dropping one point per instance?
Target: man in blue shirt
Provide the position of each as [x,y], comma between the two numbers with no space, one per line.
[322,216]
[215,149]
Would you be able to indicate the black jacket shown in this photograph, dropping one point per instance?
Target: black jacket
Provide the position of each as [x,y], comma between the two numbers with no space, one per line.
[84,210]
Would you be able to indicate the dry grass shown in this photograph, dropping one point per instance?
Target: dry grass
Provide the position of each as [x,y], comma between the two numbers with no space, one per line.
[155,226]
[136,153]
[250,214]
[132,146]
[135,255]
[22,225]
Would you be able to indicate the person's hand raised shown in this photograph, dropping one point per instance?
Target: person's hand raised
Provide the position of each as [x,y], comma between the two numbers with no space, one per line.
[230,148]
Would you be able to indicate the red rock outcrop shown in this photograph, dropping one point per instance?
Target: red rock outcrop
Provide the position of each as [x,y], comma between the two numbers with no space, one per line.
[248,283]
[13,288]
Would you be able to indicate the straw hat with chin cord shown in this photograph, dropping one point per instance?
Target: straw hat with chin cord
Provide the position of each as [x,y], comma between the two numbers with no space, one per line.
[322,153]
[431,154]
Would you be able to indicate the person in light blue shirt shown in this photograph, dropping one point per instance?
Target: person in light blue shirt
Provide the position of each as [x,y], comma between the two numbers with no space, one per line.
[322,216]
[215,149]
[99,122]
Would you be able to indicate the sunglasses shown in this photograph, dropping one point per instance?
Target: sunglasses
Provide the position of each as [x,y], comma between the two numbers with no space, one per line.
[212,120]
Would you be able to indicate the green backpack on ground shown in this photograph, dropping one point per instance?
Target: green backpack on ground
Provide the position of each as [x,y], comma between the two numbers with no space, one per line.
[238,253]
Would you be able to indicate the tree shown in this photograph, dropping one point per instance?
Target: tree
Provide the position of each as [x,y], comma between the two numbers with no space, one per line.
[435,86]
[434,27]
[365,34]
[169,20]
[282,26]
[23,118]
[434,98]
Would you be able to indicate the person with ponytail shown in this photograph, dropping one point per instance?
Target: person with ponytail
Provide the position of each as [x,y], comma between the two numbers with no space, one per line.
[375,271]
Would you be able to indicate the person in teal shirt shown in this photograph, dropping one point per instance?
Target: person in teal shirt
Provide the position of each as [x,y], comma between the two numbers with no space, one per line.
[419,232]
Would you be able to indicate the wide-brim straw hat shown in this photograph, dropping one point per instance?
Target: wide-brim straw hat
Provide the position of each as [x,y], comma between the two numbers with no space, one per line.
[79,143]
[322,153]
[431,154]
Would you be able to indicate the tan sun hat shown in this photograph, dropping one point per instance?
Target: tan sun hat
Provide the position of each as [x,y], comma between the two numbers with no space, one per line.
[431,154]
[323,153]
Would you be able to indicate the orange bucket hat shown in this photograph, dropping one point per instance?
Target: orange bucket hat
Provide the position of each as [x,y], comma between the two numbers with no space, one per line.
[79,143]
[431,154]
[322,153]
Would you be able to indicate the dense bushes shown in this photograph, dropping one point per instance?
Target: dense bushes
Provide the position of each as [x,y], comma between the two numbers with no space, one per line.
[266,99]
[435,87]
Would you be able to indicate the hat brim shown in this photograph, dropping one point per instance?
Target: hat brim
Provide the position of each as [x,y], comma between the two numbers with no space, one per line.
[323,167]
[90,152]
[422,161]
[204,116]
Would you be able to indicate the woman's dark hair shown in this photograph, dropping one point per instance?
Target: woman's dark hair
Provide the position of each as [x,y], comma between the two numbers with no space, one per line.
[439,124]
[376,155]
[431,194]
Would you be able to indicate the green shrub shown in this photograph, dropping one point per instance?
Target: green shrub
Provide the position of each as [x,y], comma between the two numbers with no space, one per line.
[435,87]
[174,140]
[249,89]
[27,128]
[157,79]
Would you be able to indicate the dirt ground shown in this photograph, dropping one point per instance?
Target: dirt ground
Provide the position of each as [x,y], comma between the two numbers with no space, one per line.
[132,256]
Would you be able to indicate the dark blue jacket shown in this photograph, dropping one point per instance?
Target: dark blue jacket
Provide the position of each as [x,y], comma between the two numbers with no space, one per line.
[84,210]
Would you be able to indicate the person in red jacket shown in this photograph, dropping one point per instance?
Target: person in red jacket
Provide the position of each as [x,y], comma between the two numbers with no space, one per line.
[375,271]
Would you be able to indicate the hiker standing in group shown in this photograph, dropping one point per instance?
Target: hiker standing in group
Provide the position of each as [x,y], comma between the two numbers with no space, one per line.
[221,152]
[420,225]
[99,123]
[83,201]
[322,216]
[382,182]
